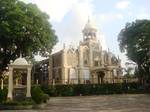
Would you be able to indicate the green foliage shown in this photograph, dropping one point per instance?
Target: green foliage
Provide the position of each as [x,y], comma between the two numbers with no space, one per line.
[3,99]
[3,95]
[135,40]
[26,102]
[12,103]
[23,29]
[38,95]
[17,103]
[49,90]
[92,89]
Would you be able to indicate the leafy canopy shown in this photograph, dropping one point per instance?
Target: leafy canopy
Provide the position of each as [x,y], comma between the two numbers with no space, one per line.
[135,40]
[23,29]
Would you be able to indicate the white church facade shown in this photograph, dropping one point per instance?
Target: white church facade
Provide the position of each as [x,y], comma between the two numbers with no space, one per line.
[86,64]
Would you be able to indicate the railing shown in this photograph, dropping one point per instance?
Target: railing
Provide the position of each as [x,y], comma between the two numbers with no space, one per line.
[86,81]
[94,81]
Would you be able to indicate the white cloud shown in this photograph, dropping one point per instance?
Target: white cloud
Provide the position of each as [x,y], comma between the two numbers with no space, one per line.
[119,16]
[106,18]
[122,4]
[72,29]
[123,58]
[143,14]
[55,8]
[39,58]
[69,32]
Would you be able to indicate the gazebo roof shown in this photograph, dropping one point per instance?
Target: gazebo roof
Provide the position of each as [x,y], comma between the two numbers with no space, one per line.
[20,61]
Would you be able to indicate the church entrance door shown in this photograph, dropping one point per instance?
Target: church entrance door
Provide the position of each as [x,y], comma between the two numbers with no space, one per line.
[100,76]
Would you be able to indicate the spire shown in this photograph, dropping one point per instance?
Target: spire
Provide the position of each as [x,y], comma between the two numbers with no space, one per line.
[88,19]
[20,55]
[108,50]
[64,45]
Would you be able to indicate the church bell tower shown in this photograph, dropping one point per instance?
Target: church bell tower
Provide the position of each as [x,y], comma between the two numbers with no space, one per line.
[89,31]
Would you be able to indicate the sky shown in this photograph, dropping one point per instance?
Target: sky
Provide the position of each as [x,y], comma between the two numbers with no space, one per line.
[68,18]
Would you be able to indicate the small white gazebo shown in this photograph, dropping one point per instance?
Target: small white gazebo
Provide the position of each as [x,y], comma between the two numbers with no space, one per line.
[20,64]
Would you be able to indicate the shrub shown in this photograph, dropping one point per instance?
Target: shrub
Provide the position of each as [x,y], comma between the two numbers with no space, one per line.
[12,103]
[15,103]
[38,95]
[92,89]
[50,90]
[3,95]
[64,90]
[45,97]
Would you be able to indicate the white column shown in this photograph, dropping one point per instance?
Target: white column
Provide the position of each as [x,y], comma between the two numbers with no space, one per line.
[80,76]
[109,59]
[10,84]
[91,55]
[109,76]
[102,59]
[53,82]
[28,94]
[63,67]
[37,81]
[80,56]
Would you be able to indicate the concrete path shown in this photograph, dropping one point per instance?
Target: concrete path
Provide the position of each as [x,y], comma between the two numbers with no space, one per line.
[102,103]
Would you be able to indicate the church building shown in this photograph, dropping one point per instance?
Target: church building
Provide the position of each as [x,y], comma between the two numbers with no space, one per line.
[86,64]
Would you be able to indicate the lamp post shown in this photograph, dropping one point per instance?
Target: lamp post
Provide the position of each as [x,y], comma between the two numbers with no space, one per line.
[44,73]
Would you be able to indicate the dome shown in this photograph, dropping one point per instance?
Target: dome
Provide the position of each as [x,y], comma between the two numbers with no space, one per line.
[89,25]
[20,61]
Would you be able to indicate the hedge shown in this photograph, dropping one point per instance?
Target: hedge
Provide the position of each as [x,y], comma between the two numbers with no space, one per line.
[3,95]
[92,89]
[38,95]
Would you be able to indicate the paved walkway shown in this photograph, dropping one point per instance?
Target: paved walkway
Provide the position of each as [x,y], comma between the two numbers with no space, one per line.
[103,103]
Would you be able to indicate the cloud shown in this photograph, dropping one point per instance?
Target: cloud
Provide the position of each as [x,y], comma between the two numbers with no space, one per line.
[68,18]
[55,8]
[76,20]
[107,18]
[119,16]
[123,58]
[69,32]
[143,14]
[122,5]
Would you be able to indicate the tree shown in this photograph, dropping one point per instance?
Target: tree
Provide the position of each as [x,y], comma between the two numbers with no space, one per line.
[134,39]
[23,29]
